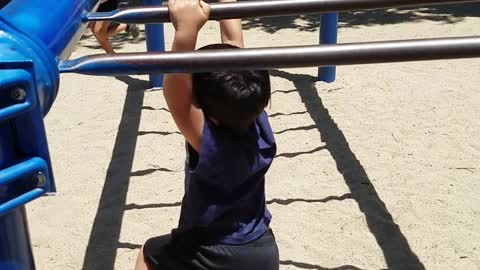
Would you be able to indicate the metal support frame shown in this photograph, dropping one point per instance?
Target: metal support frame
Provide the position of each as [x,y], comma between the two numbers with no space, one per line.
[249,9]
[30,45]
[155,43]
[270,58]
[328,21]
[328,35]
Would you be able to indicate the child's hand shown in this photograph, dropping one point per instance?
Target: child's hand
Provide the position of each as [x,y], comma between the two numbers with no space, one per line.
[188,15]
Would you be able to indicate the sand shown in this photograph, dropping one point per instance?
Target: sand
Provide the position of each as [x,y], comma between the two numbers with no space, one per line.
[377,170]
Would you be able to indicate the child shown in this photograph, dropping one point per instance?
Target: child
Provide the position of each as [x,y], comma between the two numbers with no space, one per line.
[224,222]
[102,30]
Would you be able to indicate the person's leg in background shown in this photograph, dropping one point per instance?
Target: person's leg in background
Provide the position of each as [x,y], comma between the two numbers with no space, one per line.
[100,31]
[115,28]
[231,30]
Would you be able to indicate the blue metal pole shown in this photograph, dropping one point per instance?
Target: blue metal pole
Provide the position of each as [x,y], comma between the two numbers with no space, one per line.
[155,43]
[328,35]
[16,252]
[15,249]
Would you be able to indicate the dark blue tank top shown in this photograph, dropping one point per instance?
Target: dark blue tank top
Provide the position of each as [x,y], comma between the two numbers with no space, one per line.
[224,197]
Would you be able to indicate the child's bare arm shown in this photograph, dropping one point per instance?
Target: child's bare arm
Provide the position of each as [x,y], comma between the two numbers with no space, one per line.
[188,17]
[231,30]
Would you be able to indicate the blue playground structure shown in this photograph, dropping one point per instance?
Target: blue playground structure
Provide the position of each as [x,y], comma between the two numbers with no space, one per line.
[31,46]
[35,49]
[155,43]
[328,35]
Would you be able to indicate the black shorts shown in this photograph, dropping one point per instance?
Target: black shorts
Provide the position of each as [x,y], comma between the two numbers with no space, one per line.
[161,253]
[110,5]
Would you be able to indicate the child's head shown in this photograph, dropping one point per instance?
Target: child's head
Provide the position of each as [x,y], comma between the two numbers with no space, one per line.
[233,98]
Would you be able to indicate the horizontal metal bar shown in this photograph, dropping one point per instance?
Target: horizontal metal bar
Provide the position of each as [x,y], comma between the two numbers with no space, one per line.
[21,200]
[270,58]
[249,9]
[24,169]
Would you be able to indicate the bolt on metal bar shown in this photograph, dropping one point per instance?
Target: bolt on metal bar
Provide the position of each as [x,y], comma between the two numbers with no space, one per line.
[271,58]
[249,9]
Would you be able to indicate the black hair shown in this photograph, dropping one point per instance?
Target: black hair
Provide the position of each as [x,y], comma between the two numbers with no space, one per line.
[233,98]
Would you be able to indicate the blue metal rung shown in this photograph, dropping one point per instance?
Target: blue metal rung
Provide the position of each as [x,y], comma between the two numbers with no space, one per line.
[14,110]
[34,168]
[15,90]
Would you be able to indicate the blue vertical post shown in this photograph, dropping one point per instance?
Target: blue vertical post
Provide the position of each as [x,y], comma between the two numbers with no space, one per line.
[15,248]
[155,42]
[328,35]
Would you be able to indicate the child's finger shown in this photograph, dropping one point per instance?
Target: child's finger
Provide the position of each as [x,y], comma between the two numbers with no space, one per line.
[205,7]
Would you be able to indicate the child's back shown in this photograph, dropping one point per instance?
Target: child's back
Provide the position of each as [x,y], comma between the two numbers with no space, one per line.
[224,221]
[225,185]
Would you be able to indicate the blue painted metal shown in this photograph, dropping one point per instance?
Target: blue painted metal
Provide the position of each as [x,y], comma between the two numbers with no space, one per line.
[47,38]
[15,248]
[25,123]
[34,35]
[26,171]
[59,31]
[155,43]
[328,35]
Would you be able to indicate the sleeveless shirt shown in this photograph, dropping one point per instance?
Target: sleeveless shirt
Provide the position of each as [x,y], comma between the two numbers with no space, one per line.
[224,197]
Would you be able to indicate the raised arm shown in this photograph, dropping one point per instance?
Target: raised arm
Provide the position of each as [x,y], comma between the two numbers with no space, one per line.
[188,17]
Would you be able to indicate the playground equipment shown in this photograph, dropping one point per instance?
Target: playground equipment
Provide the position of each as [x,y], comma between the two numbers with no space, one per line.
[328,35]
[250,9]
[35,49]
[270,58]
[328,21]
[155,43]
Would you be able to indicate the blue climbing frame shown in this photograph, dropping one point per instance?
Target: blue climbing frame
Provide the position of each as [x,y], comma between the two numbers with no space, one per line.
[30,44]
[155,42]
[328,35]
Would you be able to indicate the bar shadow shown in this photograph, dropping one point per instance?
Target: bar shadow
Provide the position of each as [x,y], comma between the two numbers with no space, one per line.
[346,196]
[163,133]
[132,206]
[150,108]
[285,114]
[296,129]
[448,14]
[128,245]
[317,267]
[101,249]
[150,171]
[394,245]
[296,154]
[284,91]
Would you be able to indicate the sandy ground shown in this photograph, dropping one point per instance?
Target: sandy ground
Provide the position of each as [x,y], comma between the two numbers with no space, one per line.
[377,170]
